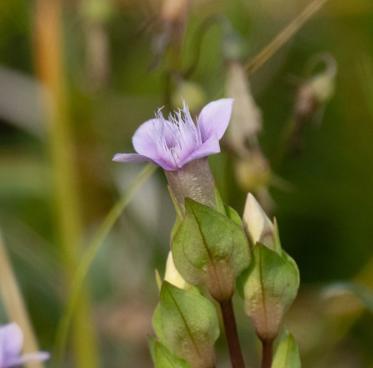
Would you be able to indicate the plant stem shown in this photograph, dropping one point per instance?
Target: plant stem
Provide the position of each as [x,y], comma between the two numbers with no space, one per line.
[230,327]
[48,57]
[267,352]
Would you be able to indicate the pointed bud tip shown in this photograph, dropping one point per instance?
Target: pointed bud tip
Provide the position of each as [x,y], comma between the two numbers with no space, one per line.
[172,275]
[257,222]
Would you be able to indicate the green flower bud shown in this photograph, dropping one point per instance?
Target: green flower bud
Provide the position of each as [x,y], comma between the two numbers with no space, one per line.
[210,249]
[269,286]
[287,353]
[187,324]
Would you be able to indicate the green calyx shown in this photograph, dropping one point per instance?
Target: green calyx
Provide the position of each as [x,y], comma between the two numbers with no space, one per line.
[210,248]
[269,286]
[187,324]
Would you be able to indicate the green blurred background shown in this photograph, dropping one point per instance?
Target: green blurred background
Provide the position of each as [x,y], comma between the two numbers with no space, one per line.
[110,67]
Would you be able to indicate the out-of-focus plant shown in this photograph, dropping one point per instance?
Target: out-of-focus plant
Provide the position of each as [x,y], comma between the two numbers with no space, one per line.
[48,57]
[312,96]
[95,15]
[252,169]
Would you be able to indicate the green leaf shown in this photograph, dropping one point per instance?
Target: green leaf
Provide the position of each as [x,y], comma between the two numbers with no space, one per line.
[210,249]
[233,215]
[269,286]
[187,324]
[287,353]
[163,358]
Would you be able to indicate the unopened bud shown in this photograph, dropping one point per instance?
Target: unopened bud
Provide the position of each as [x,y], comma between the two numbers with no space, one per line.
[186,323]
[269,286]
[258,226]
[172,275]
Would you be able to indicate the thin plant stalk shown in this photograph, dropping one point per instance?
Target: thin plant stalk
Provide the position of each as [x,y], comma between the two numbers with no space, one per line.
[11,298]
[284,36]
[267,353]
[89,256]
[231,334]
[48,59]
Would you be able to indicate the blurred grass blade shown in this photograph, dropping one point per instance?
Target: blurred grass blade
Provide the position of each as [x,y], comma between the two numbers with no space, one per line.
[90,255]
[284,36]
[49,64]
[15,308]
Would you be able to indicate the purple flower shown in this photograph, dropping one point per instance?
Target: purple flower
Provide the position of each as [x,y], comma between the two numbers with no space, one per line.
[11,342]
[171,143]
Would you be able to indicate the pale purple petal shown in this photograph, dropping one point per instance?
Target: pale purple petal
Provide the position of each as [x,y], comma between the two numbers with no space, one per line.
[150,139]
[136,158]
[214,118]
[209,147]
[173,142]
[129,157]
[39,356]
[145,138]
[11,341]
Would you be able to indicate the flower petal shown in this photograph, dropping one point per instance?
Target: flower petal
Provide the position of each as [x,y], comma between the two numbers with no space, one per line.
[149,140]
[209,147]
[214,118]
[135,157]
[39,356]
[144,140]
[129,157]
[11,341]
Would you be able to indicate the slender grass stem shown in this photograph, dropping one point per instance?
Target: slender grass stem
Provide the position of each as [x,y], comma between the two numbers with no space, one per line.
[230,327]
[88,258]
[267,353]
[48,57]
[284,36]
